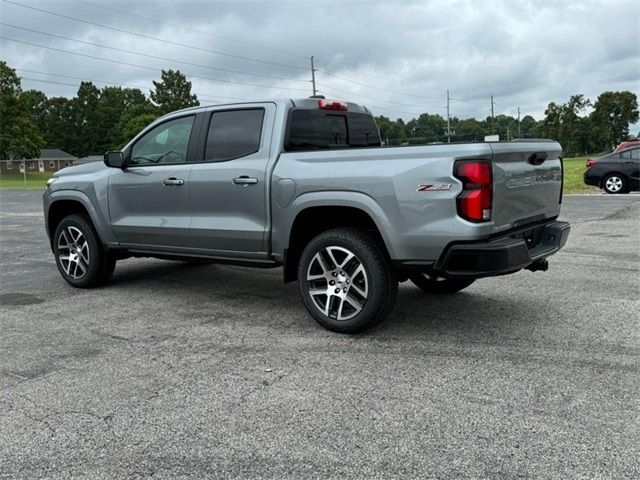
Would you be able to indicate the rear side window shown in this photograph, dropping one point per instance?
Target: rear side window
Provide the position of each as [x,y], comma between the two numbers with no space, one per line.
[233,134]
[318,129]
[635,153]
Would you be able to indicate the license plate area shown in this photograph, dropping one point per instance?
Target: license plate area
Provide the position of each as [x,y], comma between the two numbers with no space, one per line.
[532,237]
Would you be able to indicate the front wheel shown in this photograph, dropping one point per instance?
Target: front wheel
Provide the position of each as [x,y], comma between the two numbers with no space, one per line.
[80,257]
[346,281]
[439,285]
[614,183]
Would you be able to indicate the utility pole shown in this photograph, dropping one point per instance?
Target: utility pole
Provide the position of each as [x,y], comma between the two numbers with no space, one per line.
[448,120]
[493,130]
[313,77]
[508,134]
[519,132]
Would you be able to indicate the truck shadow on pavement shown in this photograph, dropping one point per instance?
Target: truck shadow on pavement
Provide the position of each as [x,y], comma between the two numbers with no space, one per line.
[213,294]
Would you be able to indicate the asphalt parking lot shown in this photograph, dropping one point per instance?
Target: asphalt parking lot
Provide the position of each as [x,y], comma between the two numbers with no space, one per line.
[181,371]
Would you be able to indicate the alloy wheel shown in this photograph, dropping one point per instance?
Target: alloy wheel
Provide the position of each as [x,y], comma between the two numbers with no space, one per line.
[613,184]
[73,252]
[338,283]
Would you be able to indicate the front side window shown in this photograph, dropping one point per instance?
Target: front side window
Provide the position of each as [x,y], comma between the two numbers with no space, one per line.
[233,134]
[167,143]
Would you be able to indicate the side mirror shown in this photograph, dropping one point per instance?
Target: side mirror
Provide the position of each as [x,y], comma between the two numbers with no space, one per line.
[114,159]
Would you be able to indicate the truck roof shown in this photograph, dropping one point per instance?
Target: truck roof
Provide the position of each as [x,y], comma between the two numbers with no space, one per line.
[310,102]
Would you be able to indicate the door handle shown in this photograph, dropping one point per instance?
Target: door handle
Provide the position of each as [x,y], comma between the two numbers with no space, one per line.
[245,180]
[173,181]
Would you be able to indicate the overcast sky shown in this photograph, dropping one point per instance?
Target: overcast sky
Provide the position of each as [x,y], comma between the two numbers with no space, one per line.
[397,57]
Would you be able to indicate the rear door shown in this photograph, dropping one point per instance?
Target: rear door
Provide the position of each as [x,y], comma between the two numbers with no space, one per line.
[228,185]
[149,198]
[631,166]
[527,180]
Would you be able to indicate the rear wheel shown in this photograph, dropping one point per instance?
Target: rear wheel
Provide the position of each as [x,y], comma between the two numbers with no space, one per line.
[614,183]
[346,281]
[80,256]
[439,285]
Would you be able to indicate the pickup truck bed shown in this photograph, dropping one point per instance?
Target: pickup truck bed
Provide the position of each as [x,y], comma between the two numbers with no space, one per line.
[305,184]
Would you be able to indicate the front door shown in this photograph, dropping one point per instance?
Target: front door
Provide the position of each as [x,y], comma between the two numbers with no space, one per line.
[149,198]
[227,187]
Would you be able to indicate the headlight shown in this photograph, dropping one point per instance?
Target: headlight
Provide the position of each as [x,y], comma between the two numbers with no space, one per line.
[51,180]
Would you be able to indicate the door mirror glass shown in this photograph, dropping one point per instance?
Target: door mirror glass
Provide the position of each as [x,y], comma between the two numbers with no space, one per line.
[114,159]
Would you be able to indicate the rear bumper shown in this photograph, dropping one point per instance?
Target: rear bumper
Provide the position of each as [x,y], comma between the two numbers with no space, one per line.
[590,178]
[502,255]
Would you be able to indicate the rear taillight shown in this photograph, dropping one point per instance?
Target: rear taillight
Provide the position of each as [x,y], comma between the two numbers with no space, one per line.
[332,105]
[590,163]
[474,203]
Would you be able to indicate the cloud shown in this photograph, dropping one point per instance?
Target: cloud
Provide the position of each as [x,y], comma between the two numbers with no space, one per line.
[399,57]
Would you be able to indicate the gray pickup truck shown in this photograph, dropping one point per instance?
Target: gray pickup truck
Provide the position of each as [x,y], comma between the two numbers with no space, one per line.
[306,185]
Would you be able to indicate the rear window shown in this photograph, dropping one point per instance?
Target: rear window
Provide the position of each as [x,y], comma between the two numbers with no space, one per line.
[319,129]
[233,134]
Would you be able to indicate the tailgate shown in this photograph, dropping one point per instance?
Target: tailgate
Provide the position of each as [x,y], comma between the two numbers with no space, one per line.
[527,180]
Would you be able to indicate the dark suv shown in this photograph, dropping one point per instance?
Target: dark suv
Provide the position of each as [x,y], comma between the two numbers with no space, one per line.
[618,172]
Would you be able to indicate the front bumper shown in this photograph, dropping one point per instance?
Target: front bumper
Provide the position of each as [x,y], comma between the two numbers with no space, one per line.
[503,255]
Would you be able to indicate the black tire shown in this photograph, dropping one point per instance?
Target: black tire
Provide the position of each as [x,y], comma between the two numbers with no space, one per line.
[439,285]
[614,184]
[100,263]
[378,281]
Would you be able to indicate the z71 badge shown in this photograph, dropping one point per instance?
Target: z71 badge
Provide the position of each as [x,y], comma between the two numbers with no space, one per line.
[436,187]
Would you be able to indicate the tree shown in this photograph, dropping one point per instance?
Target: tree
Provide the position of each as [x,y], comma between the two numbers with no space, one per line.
[59,129]
[391,132]
[132,126]
[528,126]
[35,104]
[426,129]
[19,136]
[173,92]
[138,113]
[612,114]
[86,113]
[564,123]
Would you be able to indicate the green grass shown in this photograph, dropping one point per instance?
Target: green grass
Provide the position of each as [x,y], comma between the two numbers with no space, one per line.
[35,180]
[573,182]
[573,170]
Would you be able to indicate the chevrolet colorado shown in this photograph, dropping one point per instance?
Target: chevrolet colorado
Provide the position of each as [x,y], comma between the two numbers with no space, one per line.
[306,184]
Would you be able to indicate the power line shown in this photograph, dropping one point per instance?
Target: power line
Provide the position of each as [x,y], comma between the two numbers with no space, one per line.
[377,99]
[557,87]
[154,69]
[124,50]
[162,22]
[374,87]
[253,45]
[149,37]
[118,84]
[76,85]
